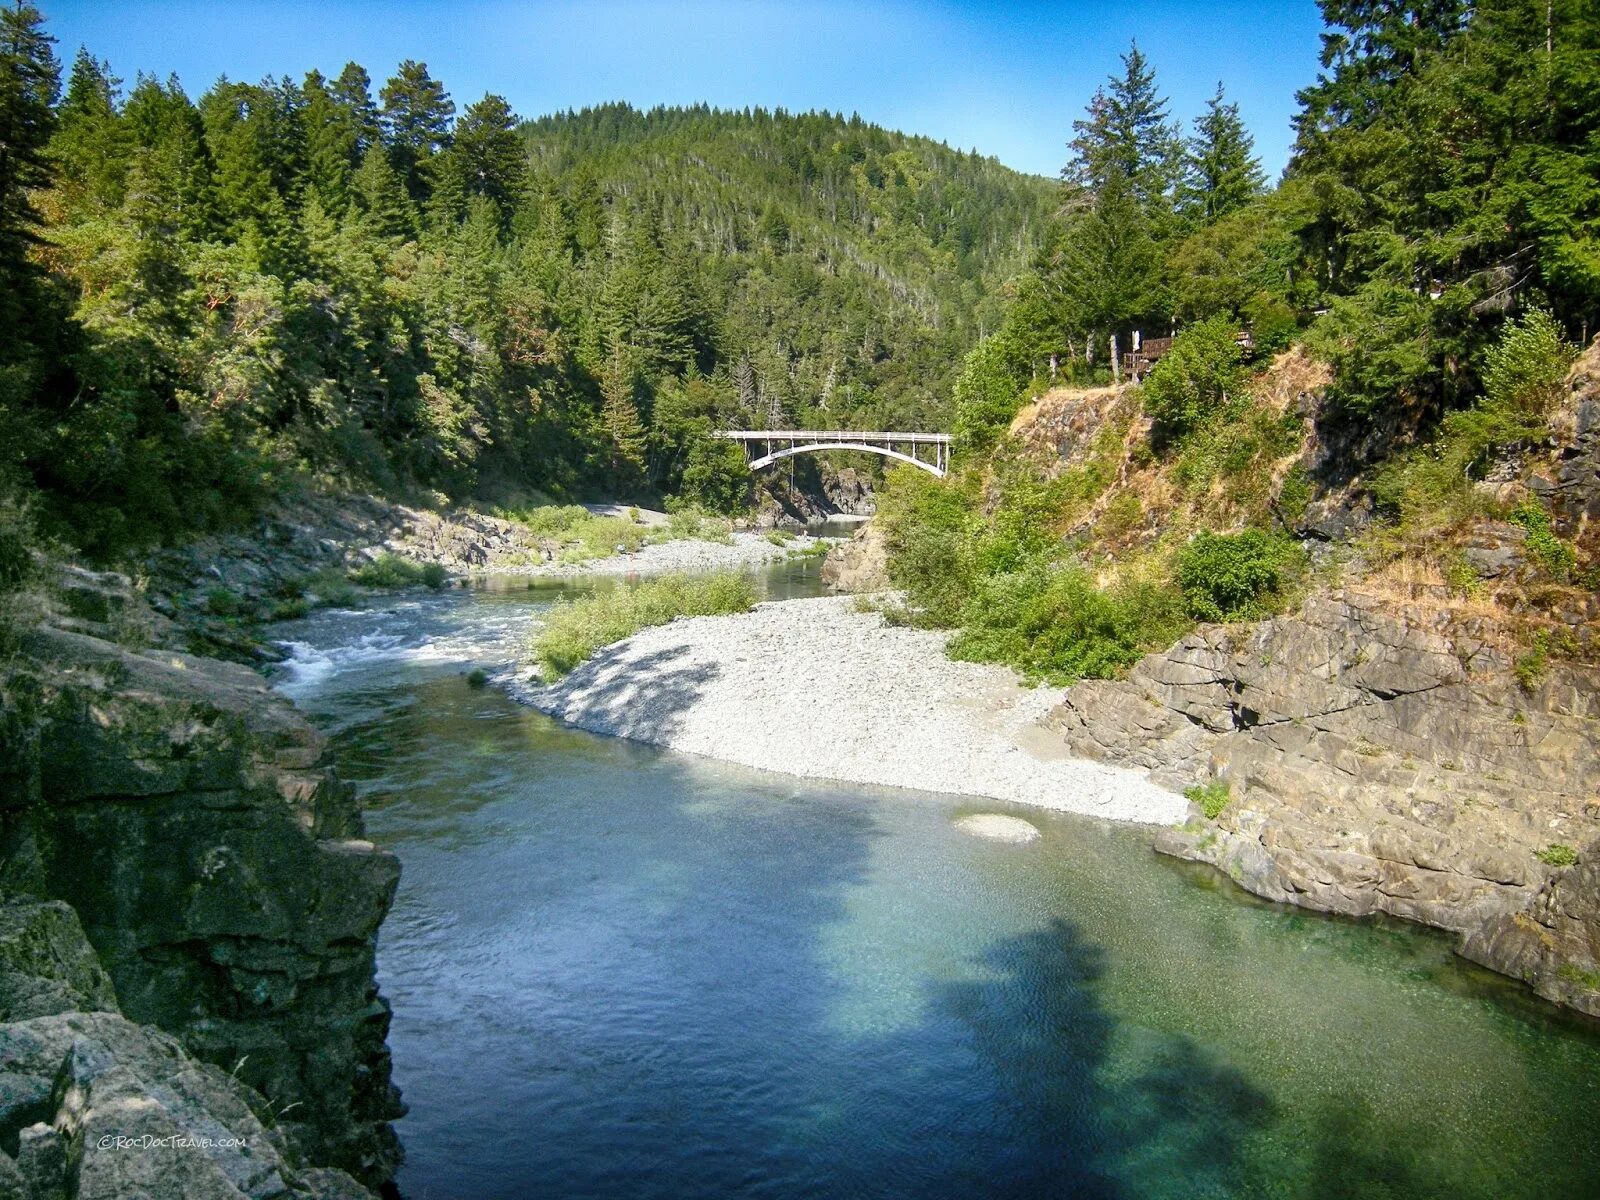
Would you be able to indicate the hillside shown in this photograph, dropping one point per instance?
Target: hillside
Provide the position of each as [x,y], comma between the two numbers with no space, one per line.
[324,284]
[839,270]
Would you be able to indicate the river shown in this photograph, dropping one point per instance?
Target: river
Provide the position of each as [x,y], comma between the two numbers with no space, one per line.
[621,972]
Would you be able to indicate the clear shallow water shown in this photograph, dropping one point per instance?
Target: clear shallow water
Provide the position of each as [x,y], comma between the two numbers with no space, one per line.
[618,972]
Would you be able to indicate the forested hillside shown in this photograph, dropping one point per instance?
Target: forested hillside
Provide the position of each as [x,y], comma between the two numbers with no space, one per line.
[1369,379]
[208,300]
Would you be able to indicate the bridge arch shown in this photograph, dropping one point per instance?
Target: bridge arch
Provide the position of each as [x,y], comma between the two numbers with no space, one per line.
[766,460]
[769,445]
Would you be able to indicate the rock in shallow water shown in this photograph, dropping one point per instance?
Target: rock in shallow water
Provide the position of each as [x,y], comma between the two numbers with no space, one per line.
[999,828]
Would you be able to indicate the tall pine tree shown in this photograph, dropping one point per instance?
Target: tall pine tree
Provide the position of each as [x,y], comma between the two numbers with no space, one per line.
[1224,173]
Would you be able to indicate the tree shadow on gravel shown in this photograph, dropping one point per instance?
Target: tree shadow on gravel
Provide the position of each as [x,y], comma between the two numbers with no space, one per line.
[643,698]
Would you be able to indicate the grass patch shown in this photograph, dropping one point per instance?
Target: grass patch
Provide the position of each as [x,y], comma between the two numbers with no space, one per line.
[1557,855]
[1212,797]
[574,629]
[1573,973]
[330,588]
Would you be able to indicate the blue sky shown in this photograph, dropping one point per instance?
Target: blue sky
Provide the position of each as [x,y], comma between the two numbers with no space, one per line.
[1007,79]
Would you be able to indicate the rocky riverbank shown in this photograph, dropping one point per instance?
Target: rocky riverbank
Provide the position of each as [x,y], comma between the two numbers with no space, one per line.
[881,705]
[1380,757]
[189,924]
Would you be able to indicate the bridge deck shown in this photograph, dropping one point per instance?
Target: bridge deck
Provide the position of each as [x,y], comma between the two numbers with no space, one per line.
[830,435]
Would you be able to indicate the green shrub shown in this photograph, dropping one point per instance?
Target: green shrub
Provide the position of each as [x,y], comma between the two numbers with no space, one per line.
[1193,381]
[16,546]
[779,537]
[1212,797]
[388,571]
[477,678]
[1056,625]
[693,524]
[1557,855]
[434,576]
[1531,668]
[330,587]
[716,477]
[1431,487]
[1554,555]
[1378,342]
[1237,576]
[220,602]
[1526,366]
[929,525]
[574,629]
[290,610]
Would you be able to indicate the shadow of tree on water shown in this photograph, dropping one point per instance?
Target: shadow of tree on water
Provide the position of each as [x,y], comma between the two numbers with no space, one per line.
[1045,1117]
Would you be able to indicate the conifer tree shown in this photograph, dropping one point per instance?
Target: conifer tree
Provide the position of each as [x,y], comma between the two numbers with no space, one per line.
[90,146]
[417,112]
[1224,173]
[30,80]
[379,195]
[1126,131]
[353,91]
[485,158]
[619,413]
[332,138]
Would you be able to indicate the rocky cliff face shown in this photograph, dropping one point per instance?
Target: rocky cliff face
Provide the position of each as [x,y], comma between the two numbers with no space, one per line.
[188,817]
[1380,758]
[859,565]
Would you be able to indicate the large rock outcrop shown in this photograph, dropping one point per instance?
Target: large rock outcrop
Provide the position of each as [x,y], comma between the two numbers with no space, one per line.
[1381,758]
[188,817]
[97,1107]
[859,565]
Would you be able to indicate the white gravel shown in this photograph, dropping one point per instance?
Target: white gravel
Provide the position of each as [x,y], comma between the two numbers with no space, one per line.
[813,688]
[745,550]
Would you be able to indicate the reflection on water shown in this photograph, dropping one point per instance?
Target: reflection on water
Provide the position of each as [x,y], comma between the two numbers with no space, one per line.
[621,972]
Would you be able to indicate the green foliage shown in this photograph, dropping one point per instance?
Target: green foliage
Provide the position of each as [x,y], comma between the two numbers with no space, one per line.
[1553,554]
[692,524]
[929,525]
[330,588]
[1524,370]
[1431,487]
[1531,668]
[574,629]
[1557,855]
[1573,973]
[1055,625]
[222,602]
[1237,576]
[393,571]
[1212,797]
[1191,384]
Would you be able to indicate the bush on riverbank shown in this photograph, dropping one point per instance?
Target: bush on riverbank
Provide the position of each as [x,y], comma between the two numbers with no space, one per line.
[574,629]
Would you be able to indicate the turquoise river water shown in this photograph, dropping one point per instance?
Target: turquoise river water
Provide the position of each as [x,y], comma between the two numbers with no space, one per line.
[621,972]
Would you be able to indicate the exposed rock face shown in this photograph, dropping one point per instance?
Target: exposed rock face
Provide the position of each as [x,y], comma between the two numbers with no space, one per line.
[817,490]
[1379,761]
[96,1107]
[188,817]
[1570,484]
[859,565]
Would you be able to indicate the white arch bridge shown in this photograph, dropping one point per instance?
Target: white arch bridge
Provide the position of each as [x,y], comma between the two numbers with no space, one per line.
[930,451]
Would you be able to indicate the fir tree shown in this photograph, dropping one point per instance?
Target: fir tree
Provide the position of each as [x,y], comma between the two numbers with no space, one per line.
[417,112]
[485,158]
[1126,132]
[1224,173]
[619,413]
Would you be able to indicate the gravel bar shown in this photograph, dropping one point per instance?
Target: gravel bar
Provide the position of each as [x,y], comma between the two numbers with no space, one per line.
[692,554]
[816,689]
